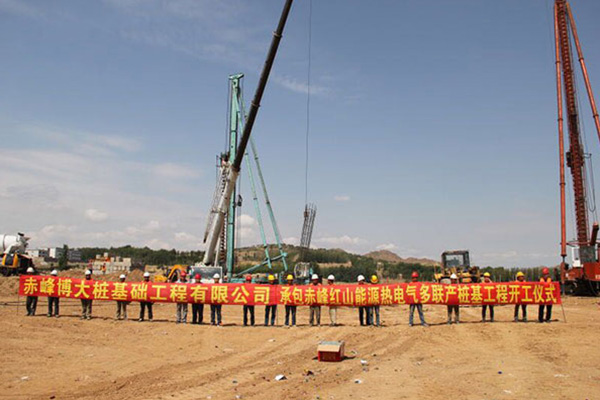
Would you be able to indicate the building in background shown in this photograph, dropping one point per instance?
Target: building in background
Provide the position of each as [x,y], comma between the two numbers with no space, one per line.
[55,253]
[106,264]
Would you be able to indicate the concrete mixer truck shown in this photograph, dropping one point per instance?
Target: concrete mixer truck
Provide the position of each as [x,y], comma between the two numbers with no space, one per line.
[14,259]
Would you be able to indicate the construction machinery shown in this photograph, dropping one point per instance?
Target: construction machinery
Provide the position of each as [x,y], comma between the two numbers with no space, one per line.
[216,237]
[170,274]
[303,270]
[456,262]
[14,259]
[583,275]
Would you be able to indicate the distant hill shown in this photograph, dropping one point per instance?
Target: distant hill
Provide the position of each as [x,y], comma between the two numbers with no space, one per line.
[388,256]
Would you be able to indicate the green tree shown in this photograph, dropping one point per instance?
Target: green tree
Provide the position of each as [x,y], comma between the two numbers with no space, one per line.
[63,260]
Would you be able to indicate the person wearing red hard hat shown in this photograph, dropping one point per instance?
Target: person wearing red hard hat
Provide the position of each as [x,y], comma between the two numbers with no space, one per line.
[197,308]
[248,309]
[545,279]
[182,308]
[414,278]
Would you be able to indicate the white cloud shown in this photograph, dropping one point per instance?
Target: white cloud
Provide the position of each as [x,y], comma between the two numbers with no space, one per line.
[175,171]
[158,244]
[341,198]
[387,246]
[248,234]
[341,240]
[95,216]
[203,29]
[246,221]
[291,240]
[21,8]
[186,237]
[298,86]
[83,142]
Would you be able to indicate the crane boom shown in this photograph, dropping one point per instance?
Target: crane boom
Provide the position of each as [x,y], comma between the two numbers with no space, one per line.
[584,276]
[231,170]
[575,156]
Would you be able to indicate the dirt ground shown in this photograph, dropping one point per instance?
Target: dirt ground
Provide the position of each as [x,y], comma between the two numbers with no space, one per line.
[67,358]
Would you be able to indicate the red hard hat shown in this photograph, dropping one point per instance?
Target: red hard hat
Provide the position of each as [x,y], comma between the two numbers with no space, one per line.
[415,274]
[248,278]
[197,276]
[183,273]
[545,271]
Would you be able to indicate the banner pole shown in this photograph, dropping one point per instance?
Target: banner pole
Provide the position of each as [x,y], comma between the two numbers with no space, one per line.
[563,311]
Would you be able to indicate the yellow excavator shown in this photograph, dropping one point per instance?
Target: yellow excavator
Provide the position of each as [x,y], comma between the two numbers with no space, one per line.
[456,262]
[170,274]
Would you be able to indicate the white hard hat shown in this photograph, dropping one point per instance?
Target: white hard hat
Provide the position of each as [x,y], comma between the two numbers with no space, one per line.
[216,276]
[146,274]
[30,270]
[361,278]
[331,278]
[88,272]
[453,276]
[122,276]
[314,276]
[54,272]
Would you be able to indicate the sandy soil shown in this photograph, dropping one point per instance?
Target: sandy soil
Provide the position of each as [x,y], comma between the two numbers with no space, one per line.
[66,358]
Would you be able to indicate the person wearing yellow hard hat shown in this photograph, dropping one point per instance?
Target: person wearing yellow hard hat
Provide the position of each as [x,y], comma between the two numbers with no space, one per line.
[248,309]
[520,279]
[374,309]
[290,310]
[487,278]
[271,308]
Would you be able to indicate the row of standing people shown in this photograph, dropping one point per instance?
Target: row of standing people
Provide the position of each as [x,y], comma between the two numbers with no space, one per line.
[544,310]
[368,315]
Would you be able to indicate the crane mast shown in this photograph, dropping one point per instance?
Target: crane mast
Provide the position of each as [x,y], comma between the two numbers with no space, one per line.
[575,154]
[586,242]
[230,170]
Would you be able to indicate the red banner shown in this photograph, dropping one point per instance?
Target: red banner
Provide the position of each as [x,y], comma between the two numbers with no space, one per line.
[334,295]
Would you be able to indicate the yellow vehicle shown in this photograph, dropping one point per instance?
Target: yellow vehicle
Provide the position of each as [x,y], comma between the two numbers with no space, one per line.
[14,264]
[457,262]
[170,274]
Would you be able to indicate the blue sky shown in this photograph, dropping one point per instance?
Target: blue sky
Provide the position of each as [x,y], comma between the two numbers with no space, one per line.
[432,122]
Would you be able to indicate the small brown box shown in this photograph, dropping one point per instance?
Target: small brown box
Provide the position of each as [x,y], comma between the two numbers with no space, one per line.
[330,351]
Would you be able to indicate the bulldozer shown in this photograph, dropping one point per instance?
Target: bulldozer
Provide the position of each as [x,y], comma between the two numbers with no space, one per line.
[456,262]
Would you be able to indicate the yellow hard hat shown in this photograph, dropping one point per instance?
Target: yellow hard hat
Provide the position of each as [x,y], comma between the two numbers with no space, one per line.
[520,274]
[290,277]
[271,278]
[487,275]
[374,279]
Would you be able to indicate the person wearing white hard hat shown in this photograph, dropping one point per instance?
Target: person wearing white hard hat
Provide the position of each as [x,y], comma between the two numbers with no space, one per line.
[146,304]
[363,311]
[215,309]
[86,304]
[315,310]
[332,309]
[53,301]
[31,302]
[453,308]
[122,304]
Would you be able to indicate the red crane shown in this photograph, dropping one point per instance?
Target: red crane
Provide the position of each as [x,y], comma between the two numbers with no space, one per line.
[584,274]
